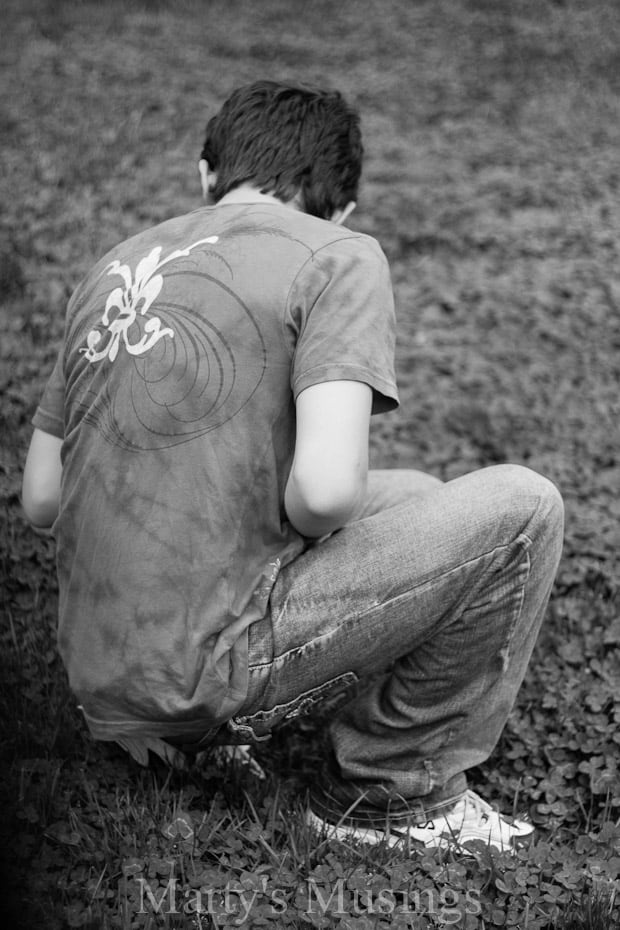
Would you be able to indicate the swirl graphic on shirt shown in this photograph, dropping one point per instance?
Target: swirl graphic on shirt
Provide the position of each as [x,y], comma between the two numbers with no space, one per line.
[122,305]
[194,353]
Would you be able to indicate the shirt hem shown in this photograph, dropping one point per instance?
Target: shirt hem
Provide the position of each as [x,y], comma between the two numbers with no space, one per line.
[117,729]
[48,423]
[385,392]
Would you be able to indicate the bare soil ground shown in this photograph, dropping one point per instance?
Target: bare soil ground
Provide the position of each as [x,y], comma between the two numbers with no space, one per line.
[492,181]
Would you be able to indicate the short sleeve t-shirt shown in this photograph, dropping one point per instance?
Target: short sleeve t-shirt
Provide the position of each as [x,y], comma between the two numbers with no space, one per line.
[174,395]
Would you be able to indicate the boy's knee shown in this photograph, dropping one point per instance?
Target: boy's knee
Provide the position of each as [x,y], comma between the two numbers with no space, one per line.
[536,498]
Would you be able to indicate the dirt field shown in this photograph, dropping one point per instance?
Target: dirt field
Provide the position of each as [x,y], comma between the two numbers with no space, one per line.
[492,181]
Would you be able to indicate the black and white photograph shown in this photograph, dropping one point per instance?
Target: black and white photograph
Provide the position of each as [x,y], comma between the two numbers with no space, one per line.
[310,464]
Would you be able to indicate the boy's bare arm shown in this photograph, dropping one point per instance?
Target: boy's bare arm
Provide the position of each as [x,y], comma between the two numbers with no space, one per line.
[41,482]
[328,476]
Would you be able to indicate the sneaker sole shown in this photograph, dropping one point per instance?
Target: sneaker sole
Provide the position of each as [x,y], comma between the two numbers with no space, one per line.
[342,832]
[373,837]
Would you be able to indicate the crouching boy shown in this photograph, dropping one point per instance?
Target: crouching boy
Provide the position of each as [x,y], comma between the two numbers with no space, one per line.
[226,559]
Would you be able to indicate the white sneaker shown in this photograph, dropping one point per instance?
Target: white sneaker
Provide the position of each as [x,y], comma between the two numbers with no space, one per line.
[470,818]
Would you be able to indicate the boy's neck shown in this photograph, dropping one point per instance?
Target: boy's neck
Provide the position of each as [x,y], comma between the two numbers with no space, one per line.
[247,193]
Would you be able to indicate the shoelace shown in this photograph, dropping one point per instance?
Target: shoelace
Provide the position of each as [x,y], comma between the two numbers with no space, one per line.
[482,809]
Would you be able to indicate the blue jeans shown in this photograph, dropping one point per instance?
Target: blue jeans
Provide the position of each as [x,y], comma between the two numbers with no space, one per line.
[430,602]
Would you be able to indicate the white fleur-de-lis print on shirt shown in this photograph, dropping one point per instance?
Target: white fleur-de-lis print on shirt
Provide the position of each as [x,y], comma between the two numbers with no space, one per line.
[137,294]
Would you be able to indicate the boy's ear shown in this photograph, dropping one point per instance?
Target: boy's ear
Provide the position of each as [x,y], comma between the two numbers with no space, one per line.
[207,178]
[341,215]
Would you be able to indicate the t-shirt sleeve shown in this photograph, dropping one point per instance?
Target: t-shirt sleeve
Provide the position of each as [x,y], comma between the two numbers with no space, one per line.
[342,310]
[49,415]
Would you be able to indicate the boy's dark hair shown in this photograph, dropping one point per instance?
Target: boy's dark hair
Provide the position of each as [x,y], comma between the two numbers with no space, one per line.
[287,139]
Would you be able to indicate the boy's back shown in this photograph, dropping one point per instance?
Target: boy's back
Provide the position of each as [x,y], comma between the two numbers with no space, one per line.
[184,351]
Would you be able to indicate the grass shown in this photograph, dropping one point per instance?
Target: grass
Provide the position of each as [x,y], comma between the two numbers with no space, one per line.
[491,181]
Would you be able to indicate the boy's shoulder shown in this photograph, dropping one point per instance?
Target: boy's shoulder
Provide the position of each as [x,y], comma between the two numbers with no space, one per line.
[309,236]
[170,233]
[319,234]
[321,249]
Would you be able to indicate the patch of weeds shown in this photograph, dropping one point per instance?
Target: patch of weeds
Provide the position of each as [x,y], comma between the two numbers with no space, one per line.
[598,909]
